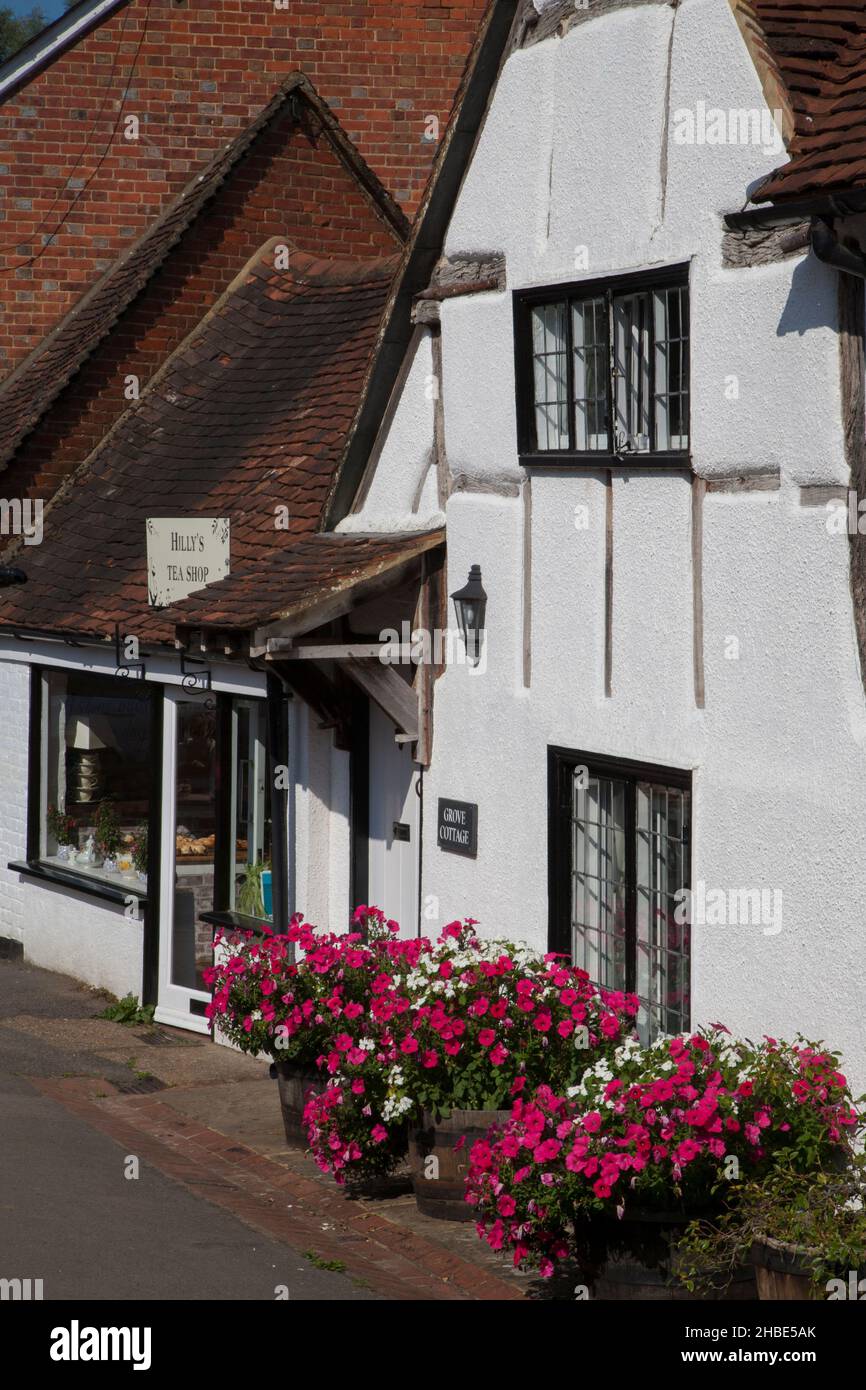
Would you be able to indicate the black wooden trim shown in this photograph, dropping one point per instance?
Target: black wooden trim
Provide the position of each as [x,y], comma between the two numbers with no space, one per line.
[663,278]
[630,881]
[225,773]
[571,414]
[558,869]
[150,957]
[570,293]
[559,460]
[523,390]
[628,768]
[561,762]
[238,921]
[651,401]
[68,878]
[34,766]
[278,756]
[359,784]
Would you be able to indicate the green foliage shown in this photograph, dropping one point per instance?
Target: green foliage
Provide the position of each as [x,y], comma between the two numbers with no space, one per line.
[17,30]
[128,1011]
[139,850]
[820,1214]
[332,1266]
[61,826]
[250,898]
[107,834]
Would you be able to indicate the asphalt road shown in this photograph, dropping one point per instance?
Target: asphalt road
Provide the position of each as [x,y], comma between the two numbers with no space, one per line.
[68,1215]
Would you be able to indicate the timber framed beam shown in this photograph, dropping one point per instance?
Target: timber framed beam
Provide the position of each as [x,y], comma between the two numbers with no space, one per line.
[395,697]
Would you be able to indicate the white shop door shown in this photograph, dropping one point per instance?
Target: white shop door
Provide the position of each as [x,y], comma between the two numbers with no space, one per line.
[394,825]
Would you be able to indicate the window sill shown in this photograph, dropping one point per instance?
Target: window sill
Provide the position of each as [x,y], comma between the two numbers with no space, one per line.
[82,883]
[238,921]
[595,461]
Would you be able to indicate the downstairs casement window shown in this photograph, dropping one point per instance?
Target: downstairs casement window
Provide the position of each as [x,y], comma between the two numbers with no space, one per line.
[603,371]
[90,808]
[620,836]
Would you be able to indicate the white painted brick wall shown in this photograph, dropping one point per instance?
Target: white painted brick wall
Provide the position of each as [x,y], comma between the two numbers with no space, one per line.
[68,932]
[14,727]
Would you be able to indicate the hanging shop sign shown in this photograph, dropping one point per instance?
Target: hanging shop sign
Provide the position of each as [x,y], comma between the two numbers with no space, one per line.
[185,554]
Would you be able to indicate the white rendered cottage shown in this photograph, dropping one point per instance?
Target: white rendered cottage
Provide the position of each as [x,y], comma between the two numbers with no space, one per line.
[639,435]
[631,390]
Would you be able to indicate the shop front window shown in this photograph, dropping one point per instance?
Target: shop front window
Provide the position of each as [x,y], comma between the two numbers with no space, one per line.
[195,839]
[250,876]
[97,769]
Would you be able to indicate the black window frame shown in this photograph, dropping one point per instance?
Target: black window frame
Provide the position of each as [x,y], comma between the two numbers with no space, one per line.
[561,765]
[66,876]
[36,812]
[570,293]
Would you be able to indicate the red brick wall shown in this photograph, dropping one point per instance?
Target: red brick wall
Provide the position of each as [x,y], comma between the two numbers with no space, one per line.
[202,69]
[289,184]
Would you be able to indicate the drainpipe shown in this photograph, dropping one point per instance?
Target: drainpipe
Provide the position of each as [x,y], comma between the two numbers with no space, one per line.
[419,787]
[830,250]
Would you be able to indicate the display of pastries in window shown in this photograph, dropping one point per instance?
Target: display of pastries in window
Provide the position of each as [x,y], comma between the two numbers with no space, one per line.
[191,845]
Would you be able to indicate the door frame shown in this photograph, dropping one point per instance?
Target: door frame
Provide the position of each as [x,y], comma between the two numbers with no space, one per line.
[175,1002]
[385,860]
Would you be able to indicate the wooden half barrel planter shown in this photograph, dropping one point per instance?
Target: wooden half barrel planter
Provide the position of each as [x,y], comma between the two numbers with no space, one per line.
[781,1270]
[636,1259]
[439,1162]
[295,1083]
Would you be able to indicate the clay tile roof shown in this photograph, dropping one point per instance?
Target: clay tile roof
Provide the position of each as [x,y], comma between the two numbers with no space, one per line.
[819,47]
[249,415]
[294,582]
[26,394]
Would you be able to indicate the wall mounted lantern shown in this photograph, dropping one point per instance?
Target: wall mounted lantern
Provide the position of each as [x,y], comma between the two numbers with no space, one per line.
[470,603]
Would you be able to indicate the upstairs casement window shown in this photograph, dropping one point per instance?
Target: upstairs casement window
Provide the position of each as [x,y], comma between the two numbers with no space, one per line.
[603,371]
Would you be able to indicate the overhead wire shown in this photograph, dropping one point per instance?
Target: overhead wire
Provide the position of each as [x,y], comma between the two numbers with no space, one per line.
[79,193]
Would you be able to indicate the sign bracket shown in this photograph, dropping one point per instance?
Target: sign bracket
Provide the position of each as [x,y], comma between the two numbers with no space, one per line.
[128,668]
[195,680]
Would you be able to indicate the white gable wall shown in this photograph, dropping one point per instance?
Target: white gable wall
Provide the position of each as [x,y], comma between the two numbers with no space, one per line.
[402,486]
[570,157]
